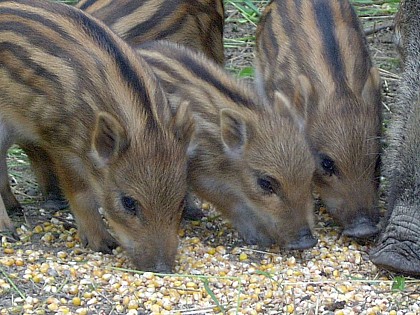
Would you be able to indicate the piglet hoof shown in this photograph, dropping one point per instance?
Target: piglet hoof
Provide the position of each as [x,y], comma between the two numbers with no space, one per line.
[305,240]
[7,229]
[192,213]
[11,236]
[104,244]
[16,210]
[55,203]
[362,228]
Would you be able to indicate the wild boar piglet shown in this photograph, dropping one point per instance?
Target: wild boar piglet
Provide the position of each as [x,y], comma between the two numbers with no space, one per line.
[249,159]
[196,24]
[320,45]
[74,90]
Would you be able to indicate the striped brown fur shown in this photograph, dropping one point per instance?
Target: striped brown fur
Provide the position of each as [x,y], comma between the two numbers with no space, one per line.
[248,159]
[320,44]
[80,95]
[194,23]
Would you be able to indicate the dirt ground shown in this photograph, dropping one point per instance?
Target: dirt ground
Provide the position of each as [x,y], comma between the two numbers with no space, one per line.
[24,186]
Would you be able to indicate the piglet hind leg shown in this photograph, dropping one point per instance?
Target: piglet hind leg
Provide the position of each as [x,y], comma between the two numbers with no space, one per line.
[44,170]
[9,201]
[6,224]
[91,228]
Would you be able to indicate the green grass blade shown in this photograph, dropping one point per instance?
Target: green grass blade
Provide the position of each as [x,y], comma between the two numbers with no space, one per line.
[12,283]
[212,295]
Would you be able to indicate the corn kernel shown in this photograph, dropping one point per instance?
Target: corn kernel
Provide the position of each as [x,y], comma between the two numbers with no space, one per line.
[70,244]
[342,289]
[53,306]
[73,289]
[205,206]
[148,275]
[194,240]
[9,251]
[76,301]
[8,262]
[62,255]
[221,250]
[64,310]
[155,309]
[133,305]
[125,300]
[269,294]
[191,285]
[211,251]
[258,307]
[37,278]
[38,229]
[291,261]
[243,256]
[82,311]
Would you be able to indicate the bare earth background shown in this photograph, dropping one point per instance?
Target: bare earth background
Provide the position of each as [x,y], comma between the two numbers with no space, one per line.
[47,272]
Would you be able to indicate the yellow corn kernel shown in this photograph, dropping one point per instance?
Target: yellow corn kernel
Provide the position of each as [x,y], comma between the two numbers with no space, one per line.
[243,256]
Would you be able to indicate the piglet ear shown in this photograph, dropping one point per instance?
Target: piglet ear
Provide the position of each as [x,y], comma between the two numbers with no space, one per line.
[109,139]
[304,96]
[183,122]
[301,103]
[233,131]
[371,90]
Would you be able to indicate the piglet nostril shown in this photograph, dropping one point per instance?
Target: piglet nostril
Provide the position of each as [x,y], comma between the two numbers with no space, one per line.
[161,267]
[362,227]
[304,240]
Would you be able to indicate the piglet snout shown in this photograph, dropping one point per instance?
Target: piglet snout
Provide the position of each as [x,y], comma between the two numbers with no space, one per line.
[362,227]
[304,240]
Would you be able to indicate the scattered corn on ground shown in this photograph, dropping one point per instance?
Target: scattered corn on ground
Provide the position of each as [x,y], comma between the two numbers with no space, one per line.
[48,273]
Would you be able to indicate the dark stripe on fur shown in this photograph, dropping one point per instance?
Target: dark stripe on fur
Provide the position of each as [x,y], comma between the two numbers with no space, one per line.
[19,53]
[325,21]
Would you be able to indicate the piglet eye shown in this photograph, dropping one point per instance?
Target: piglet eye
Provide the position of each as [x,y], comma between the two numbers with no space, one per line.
[129,204]
[328,164]
[266,185]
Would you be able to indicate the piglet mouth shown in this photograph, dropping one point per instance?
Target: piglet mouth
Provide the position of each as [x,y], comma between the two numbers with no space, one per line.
[151,261]
[258,239]
[153,265]
[361,228]
[304,240]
